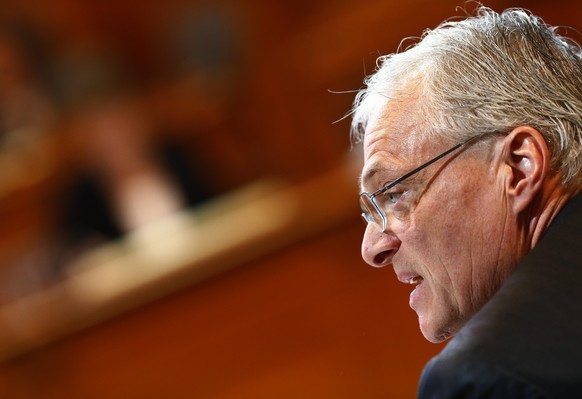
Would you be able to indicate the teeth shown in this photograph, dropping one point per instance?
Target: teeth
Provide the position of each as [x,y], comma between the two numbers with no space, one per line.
[415,280]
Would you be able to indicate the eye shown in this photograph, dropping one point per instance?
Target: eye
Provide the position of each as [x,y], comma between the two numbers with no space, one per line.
[388,199]
[393,197]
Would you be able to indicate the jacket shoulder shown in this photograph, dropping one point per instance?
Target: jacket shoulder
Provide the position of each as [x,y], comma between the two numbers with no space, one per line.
[448,377]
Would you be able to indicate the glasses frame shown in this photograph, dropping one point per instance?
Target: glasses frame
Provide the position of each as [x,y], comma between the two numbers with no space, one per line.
[366,215]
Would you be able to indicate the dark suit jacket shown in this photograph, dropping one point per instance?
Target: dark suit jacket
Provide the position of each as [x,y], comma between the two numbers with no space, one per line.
[526,342]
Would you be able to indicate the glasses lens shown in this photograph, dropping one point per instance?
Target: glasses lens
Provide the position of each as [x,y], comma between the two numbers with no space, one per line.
[370,212]
[402,209]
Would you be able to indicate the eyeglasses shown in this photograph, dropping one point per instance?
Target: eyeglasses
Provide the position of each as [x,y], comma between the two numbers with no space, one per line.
[399,205]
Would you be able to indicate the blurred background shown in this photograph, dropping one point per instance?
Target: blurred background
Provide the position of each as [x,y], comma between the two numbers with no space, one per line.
[178,199]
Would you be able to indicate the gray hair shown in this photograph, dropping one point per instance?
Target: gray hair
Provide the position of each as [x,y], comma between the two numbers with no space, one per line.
[488,73]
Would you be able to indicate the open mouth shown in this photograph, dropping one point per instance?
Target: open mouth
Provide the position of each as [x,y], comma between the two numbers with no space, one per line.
[415,280]
[417,293]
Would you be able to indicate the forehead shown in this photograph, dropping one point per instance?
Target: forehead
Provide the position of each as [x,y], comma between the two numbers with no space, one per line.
[393,142]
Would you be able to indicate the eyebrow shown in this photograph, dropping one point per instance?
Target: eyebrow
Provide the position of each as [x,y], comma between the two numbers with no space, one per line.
[373,171]
[370,173]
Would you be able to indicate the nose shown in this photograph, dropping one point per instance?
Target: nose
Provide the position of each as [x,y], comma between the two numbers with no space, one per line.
[379,248]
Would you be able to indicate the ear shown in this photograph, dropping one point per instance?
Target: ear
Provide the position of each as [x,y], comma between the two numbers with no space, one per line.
[526,160]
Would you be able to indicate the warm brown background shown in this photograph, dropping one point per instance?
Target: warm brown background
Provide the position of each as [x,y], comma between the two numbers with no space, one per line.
[310,320]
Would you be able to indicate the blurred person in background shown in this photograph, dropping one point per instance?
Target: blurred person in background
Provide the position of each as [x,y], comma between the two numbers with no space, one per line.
[472,142]
[136,141]
[129,172]
[134,137]
[119,169]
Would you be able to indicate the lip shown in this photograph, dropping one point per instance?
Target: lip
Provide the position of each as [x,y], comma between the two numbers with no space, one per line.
[416,295]
[414,279]
[409,277]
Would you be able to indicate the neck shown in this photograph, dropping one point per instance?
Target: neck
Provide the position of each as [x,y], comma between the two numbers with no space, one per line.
[551,200]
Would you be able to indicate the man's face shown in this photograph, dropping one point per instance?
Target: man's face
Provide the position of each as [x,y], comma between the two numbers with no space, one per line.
[451,246]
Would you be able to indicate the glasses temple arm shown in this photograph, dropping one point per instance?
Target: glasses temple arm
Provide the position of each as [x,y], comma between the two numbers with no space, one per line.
[418,169]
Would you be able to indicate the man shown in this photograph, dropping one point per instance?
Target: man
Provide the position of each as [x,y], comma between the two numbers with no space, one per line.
[472,144]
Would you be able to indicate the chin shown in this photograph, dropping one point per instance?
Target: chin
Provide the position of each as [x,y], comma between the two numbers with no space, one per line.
[438,338]
[435,335]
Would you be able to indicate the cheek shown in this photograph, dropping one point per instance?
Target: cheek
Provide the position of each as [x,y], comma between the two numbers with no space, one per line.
[454,214]
[457,244]
[443,236]
[440,228]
